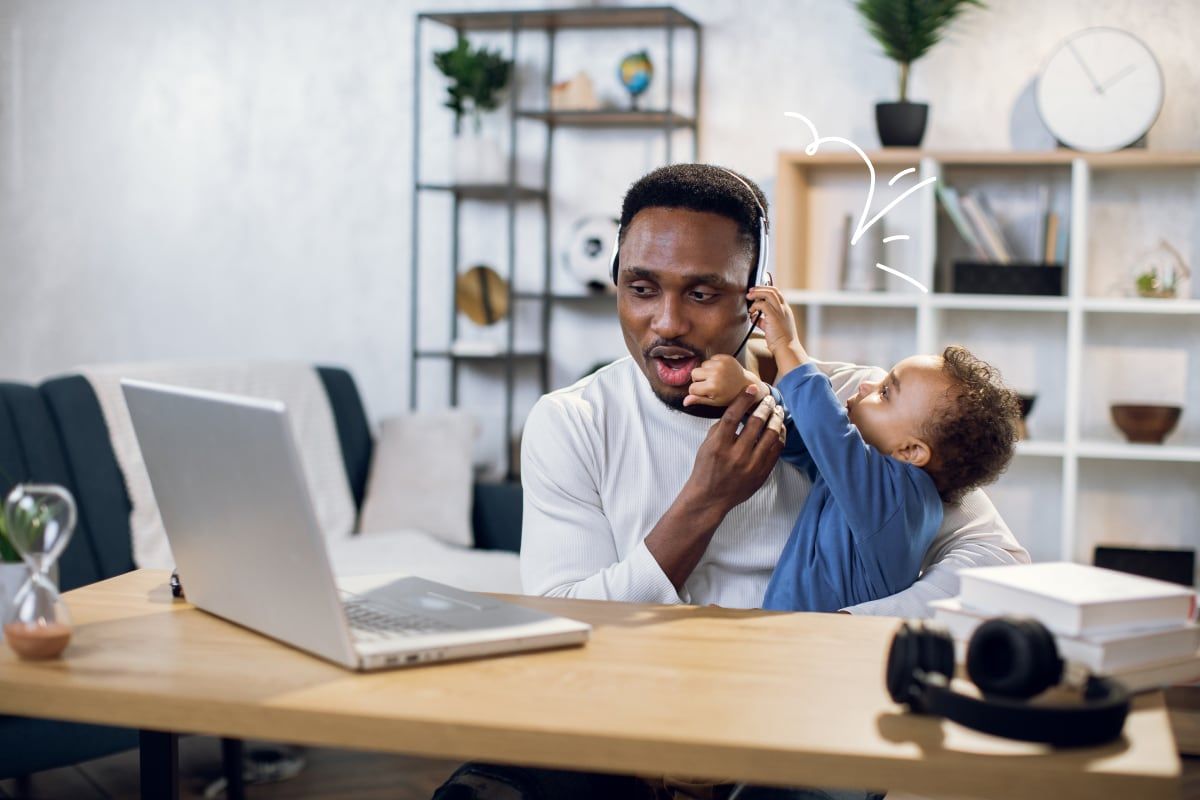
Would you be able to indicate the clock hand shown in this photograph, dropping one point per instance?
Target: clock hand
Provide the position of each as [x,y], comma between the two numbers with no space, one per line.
[1118,77]
[1095,84]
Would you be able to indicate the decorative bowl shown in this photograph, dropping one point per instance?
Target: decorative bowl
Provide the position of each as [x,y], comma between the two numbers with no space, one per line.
[1145,423]
[1025,404]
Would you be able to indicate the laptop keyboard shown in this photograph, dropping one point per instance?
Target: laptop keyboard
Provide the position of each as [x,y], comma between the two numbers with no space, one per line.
[371,623]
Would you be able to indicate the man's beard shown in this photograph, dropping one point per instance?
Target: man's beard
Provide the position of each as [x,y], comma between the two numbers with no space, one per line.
[675,403]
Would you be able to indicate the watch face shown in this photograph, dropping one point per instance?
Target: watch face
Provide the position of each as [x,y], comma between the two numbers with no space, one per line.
[1101,90]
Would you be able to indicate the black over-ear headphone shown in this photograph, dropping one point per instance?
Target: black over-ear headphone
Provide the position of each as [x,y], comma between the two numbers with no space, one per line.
[764,242]
[1010,660]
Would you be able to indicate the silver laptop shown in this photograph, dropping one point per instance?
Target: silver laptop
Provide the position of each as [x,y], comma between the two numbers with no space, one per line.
[249,549]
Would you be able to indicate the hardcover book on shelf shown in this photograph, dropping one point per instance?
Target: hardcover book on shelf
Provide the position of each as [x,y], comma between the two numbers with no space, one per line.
[988,228]
[1103,654]
[948,196]
[1074,599]
[1050,238]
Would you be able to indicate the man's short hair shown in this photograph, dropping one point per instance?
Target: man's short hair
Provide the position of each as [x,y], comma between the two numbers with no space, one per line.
[974,432]
[698,187]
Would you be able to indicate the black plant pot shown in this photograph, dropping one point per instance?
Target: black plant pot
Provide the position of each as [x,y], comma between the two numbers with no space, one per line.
[901,124]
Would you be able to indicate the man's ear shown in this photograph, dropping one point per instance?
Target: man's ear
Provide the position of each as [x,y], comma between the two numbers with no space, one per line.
[913,451]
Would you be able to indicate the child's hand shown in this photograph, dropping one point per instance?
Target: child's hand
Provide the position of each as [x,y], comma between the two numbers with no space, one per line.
[779,325]
[719,380]
[777,321]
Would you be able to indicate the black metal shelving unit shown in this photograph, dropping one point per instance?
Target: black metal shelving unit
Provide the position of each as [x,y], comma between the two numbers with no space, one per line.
[668,120]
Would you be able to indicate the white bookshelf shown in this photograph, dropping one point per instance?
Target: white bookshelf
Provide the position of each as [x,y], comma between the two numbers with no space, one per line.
[1075,482]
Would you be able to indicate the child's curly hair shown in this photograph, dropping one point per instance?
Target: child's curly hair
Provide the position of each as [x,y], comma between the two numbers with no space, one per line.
[974,432]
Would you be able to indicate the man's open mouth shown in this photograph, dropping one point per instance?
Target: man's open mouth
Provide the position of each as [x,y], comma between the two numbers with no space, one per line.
[674,365]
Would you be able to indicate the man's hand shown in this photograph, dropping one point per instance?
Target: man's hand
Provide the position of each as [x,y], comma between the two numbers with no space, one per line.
[779,324]
[730,466]
[718,382]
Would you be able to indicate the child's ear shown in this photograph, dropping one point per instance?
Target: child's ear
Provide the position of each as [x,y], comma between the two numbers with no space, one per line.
[913,451]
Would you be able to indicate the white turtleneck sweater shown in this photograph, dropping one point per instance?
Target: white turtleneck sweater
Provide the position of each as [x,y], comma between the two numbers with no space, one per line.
[603,460]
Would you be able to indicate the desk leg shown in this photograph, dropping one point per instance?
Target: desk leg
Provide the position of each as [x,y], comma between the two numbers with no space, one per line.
[159,765]
[231,759]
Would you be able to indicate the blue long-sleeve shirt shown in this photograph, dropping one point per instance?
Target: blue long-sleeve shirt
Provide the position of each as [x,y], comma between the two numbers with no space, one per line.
[864,529]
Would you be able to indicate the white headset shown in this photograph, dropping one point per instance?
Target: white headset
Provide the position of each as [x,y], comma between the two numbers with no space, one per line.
[764,241]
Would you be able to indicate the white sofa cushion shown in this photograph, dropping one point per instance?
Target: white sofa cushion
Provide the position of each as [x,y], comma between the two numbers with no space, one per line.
[417,553]
[309,414]
[421,477]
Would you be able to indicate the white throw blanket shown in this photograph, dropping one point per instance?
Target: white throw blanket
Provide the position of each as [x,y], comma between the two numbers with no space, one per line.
[298,386]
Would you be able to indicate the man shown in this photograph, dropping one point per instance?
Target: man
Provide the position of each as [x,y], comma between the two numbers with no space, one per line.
[630,496]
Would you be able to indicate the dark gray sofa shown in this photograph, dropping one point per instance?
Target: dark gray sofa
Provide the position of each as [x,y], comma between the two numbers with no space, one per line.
[55,433]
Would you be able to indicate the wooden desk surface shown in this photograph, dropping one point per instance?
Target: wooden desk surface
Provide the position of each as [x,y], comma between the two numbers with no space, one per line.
[793,699]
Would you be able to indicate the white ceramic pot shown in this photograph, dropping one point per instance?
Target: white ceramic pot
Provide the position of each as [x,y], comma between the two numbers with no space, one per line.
[478,157]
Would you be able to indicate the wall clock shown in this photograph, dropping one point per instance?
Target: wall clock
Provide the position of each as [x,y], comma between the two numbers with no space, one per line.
[1100,90]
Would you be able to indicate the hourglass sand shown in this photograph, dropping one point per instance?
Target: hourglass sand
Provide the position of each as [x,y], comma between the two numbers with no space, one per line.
[39,520]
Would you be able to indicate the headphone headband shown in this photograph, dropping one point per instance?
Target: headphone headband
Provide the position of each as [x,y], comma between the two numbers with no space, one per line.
[764,242]
[1010,660]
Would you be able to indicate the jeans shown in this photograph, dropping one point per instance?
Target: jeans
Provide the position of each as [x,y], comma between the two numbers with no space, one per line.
[494,782]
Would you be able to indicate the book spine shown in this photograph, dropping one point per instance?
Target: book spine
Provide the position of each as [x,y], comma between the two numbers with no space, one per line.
[973,213]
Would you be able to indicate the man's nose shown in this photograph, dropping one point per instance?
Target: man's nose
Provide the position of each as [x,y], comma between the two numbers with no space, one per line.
[671,320]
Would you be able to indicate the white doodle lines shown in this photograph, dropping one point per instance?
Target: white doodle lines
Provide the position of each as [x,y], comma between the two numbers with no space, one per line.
[863,223]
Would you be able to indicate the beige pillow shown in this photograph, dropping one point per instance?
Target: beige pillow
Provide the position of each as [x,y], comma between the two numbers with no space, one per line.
[421,477]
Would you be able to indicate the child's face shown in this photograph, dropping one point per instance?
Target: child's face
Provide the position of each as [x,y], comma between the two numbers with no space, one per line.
[894,411]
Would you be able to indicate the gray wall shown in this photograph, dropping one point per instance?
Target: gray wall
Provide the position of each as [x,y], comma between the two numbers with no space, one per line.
[228,178]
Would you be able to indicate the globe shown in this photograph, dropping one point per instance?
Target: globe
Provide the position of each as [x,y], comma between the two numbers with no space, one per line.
[635,72]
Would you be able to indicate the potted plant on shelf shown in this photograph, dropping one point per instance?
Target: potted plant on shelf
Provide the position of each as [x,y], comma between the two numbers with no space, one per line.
[907,30]
[13,570]
[478,77]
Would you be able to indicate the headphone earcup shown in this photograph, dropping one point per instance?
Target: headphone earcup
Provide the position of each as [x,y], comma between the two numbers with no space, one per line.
[917,647]
[1013,657]
[616,256]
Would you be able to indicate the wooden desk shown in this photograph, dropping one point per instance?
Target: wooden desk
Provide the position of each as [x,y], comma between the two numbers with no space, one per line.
[792,699]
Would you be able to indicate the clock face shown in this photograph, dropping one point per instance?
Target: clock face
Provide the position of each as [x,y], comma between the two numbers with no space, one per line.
[1101,90]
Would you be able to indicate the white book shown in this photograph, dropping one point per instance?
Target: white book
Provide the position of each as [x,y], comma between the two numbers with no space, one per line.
[1101,654]
[985,228]
[1075,599]
[1160,676]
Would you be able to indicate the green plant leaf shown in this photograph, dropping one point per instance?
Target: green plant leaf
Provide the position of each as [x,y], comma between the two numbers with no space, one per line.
[477,78]
[907,29]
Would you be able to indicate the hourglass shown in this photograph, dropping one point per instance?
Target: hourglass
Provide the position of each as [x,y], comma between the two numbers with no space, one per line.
[39,519]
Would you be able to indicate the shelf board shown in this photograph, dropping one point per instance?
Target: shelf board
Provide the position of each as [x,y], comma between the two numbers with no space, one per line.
[907,156]
[1125,451]
[999,302]
[483,191]
[1140,305]
[563,19]
[1043,449]
[501,356]
[611,118]
[807,297]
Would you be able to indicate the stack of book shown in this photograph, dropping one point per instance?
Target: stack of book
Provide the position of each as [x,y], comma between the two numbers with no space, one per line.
[980,228]
[1137,630]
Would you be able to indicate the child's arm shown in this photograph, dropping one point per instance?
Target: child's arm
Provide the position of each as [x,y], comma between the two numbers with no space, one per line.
[869,487]
[721,378]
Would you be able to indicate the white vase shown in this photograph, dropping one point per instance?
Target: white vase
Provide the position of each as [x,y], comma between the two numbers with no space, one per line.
[12,577]
[478,157]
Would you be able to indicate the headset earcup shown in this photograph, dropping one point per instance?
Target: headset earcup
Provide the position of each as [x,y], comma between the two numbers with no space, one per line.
[616,256]
[917,647]
[1013,657]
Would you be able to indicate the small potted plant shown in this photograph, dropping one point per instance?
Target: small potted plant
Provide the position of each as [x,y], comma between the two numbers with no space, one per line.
[478,77]
[907,30]
[13,571]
